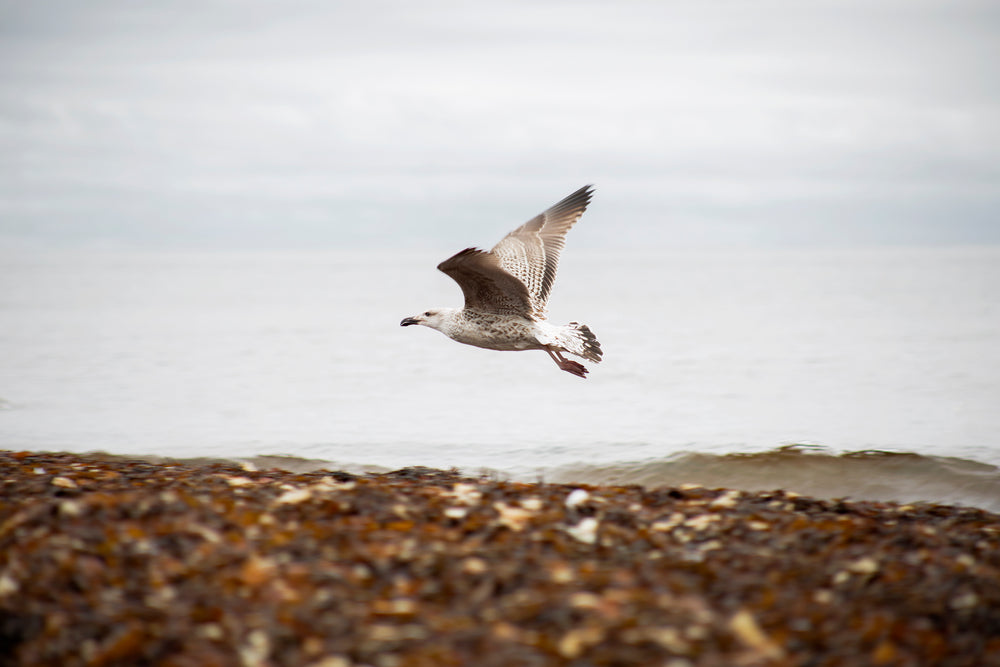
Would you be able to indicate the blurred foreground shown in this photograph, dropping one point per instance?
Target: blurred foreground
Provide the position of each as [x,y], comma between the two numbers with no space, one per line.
[116,562]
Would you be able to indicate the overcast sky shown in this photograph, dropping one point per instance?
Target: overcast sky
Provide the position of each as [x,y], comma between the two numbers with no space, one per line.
[329,124]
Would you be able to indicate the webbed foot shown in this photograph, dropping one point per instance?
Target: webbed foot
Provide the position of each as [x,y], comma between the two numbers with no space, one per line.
[565,364]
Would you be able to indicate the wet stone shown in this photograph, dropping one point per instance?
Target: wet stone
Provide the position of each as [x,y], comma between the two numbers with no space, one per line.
[114,561]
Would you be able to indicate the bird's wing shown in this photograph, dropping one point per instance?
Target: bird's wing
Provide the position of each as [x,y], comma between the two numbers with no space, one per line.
[486,285]
[531,252]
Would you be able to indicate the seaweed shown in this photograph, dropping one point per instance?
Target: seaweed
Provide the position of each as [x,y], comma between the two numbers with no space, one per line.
[115,562]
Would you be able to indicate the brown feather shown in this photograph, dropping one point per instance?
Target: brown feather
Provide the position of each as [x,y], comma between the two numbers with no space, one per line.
[486,286]
[517,275]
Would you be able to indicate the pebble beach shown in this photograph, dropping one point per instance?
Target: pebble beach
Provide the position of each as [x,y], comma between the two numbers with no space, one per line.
[116,561]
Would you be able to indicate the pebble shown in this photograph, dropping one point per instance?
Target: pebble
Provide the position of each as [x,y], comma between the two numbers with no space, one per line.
[585,531]
[515,518]
[577,497]
[747,630]
[294,497]
[866,565]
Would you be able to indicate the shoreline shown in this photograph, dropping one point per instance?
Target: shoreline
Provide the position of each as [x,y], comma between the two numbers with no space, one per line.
[817,471]
[117,561]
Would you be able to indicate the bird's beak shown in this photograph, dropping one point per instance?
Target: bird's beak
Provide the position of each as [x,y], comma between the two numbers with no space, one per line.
[407,321]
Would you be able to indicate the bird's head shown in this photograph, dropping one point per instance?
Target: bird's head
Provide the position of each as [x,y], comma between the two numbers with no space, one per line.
[434,318]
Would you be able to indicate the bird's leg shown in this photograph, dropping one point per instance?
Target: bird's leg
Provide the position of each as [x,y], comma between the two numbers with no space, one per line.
[573,367]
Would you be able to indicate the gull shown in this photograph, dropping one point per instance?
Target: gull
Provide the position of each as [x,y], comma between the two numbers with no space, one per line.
[507,290]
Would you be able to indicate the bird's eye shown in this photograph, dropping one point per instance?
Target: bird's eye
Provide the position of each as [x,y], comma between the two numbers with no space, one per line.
[427,314]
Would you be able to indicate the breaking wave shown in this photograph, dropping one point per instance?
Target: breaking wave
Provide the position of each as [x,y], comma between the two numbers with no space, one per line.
[813,471]
[806,469]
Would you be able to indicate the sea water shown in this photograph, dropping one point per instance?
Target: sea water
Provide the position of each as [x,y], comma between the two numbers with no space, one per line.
[715,362]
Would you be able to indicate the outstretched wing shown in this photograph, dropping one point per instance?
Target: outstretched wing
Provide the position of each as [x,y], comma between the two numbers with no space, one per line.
[516,276]
[486,285]
[531,252]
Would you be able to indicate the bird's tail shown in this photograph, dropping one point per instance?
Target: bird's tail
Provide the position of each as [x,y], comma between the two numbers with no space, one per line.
[578,339]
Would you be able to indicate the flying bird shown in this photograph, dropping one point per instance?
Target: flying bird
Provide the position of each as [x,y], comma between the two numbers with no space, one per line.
[507,289]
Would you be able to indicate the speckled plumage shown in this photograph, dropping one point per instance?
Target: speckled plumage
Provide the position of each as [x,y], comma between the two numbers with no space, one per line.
[507,289]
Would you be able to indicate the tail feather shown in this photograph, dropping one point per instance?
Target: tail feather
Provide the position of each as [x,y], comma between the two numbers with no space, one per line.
[582,342]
